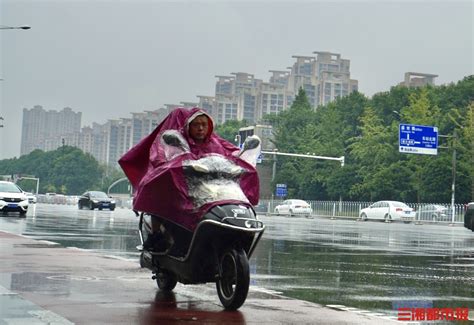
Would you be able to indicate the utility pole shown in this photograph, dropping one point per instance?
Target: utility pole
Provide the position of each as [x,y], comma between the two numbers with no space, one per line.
[453,185]
[453,171]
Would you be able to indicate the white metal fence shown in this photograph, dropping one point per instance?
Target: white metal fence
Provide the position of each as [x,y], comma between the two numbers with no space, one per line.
[344,209]
[349,209]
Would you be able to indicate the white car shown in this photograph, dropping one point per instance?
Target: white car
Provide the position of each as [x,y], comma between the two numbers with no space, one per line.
[31,197]
[294,207]
[388,211]
[12,198]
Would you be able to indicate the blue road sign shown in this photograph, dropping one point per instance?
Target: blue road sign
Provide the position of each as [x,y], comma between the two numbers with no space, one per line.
[419,139]
[281,190]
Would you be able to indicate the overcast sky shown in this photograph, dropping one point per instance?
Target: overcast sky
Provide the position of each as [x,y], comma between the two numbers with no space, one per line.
[109,58]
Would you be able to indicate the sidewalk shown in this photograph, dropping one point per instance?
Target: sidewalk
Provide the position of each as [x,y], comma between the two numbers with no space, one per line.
[44,283]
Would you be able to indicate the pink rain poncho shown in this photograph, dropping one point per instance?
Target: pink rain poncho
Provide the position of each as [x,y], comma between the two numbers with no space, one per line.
[163,185]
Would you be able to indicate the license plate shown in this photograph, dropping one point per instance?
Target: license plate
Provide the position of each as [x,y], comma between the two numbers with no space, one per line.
[407,212]
[105,205]
[12,205]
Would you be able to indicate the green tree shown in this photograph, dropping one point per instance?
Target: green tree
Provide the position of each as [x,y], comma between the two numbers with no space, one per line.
[230,129]
[294,132]
[468,147]
[373,151]
[66,170]
[420,111]
[289,125]
[464,123]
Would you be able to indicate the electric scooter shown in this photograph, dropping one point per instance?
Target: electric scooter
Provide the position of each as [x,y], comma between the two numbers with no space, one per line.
[218,249]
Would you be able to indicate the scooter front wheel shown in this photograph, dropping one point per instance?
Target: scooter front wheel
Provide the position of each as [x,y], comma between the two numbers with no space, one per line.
[234,278]
[166,280]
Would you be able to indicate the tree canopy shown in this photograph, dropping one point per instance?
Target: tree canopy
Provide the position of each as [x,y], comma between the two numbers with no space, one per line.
[66,170]
[365,131]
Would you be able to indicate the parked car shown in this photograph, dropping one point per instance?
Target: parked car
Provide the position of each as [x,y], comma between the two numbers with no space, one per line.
[96,200]
[434,212]
[469,216]
[12,198]
[294,207]
[31,197]
[388,211]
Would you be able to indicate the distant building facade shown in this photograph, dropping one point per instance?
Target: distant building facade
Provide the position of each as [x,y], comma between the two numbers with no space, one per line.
[240,96]
[48,130]
[144,123]
[324,76]
[416,79]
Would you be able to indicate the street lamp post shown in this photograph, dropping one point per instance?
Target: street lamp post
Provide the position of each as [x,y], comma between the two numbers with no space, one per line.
[1,118]
[24,27]
[15,27]
[453,171]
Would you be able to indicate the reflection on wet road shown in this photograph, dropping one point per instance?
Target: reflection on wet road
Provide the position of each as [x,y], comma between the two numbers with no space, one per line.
[369,265]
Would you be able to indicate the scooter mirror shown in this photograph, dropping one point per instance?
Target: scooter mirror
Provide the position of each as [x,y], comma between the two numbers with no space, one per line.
[250,143]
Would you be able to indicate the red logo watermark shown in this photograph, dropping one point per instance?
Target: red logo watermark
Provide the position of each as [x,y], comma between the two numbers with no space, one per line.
[420,314]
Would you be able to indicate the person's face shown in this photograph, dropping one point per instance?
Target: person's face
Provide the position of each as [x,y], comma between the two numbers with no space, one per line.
[198,128]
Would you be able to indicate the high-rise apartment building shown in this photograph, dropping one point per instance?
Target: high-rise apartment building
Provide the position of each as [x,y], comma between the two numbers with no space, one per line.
[93,140]
[274,96]
[324,77]
[46,130]
[119,138]
[144,123]
[416,79]
[188,104]
[207,103]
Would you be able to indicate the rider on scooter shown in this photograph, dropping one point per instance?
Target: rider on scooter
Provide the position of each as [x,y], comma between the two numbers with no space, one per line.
[199,128]
[183,130]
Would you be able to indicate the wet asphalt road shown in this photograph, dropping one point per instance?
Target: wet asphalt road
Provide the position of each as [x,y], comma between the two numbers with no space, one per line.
[369,265]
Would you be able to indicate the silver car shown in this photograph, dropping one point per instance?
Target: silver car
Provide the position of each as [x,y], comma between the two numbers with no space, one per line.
[434,212]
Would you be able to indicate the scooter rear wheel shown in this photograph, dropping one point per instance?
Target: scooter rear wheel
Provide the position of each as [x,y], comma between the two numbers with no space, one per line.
[233,282]
[166,280]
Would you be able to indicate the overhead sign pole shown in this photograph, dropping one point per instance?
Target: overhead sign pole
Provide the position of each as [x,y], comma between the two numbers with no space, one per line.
[340,159]
[281,188]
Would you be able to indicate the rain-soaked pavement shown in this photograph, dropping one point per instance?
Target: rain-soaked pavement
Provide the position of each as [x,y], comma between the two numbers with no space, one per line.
[345,264]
